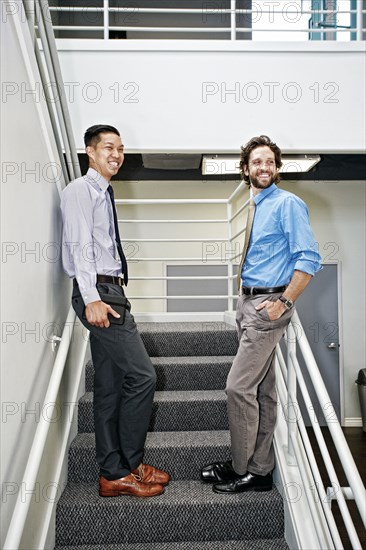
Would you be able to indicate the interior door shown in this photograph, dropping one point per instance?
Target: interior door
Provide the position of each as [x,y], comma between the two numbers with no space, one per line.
[318,311]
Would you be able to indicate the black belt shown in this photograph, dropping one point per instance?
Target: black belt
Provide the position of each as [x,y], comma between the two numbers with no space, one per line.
[253,290]
[106,279]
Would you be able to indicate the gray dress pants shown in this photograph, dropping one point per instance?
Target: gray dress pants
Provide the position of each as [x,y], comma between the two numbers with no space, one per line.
[124,386]
[251,390]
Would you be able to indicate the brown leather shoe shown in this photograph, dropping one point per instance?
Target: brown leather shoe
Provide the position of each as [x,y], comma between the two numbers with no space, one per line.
[148,474]
[128,485]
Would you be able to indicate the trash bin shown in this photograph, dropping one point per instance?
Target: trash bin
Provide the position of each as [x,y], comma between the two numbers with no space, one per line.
[361,383]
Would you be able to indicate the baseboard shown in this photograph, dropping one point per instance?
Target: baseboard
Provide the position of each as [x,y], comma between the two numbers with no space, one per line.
[353,422]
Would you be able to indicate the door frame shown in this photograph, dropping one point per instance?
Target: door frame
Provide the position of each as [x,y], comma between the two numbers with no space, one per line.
[338,265]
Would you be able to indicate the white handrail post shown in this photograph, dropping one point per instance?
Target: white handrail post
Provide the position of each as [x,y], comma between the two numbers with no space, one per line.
[230,302]
[233,19]
[359,20]
[291,390]
[106,19]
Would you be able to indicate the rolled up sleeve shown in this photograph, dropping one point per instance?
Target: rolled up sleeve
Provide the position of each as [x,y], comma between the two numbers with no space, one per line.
[303,249]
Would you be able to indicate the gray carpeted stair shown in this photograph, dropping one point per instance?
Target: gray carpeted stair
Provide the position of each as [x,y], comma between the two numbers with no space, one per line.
[182,453]
[183,373]
[173,411]
[188,429]
[188,339]
[188,510]
[262,544]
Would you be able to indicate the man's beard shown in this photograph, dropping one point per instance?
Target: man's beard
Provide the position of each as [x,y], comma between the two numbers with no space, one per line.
[258,184]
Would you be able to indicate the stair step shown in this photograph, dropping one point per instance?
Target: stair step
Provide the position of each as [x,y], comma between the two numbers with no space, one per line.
[182,454]
[187,511]
[188,339]
[261,544]
[173,411]
[182,373]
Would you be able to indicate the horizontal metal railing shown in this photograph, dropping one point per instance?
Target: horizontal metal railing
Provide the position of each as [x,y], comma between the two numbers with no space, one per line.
[165,256]
[234,22]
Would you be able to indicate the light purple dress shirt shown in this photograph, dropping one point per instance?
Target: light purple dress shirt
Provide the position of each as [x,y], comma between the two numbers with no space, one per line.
[88,241]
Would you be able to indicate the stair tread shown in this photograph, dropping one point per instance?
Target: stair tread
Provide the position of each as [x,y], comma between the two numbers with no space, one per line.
[204,326]
[260,544]
[179,395]
[188,339]
[166,439]
[187,360]
[181,453]
[195,360]
[183,372]
[179,492]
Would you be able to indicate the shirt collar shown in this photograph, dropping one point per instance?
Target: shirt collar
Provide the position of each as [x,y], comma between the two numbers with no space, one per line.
[263,194]
[97,179]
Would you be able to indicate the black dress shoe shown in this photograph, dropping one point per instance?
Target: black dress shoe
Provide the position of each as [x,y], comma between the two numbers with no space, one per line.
[247,482]
[219,471]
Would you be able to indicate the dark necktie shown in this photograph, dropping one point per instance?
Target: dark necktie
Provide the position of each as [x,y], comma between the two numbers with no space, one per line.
[118,239]
[248,231]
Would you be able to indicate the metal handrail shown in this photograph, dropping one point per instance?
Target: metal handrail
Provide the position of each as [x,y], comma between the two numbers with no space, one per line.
[233,15]
[198,11]
[294,376]
[295,445]
[22,505]
[57,105]
[335,429]
[94,28]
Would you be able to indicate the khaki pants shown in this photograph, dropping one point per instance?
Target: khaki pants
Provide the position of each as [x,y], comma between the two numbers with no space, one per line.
[251,390]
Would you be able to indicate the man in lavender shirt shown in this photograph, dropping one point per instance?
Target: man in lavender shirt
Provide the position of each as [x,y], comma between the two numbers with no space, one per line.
[124,379]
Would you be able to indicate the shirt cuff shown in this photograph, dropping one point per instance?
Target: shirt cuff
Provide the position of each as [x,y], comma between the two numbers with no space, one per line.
[306,266]
[90,295]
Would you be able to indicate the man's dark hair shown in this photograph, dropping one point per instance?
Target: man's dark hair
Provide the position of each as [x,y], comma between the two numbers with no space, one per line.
[92,135]
[252,144]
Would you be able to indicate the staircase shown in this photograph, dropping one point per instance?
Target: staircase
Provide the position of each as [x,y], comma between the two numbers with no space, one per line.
[188,429]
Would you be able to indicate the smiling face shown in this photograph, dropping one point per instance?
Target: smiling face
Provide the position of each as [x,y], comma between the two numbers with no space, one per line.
[261,168]
[106,156]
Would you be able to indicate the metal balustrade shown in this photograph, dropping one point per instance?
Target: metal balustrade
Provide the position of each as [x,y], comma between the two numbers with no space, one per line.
[230,241]
[343,20]
[290,381]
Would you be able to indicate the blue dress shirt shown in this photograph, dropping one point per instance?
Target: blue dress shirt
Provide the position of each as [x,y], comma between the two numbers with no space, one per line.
[88,245]
[281,240]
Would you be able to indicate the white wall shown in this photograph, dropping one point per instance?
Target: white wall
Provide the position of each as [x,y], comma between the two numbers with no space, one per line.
[35,295]
[213,96]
